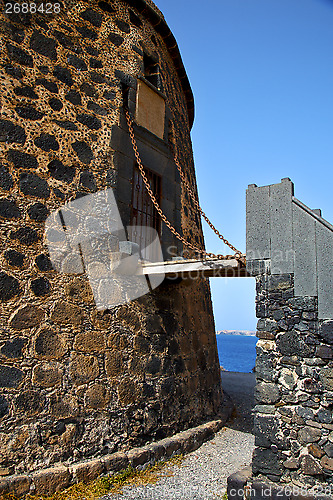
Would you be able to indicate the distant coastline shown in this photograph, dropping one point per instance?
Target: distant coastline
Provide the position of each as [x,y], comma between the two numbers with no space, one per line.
[248,333]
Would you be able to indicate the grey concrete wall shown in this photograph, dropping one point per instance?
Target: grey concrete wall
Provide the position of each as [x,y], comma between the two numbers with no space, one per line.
[293,238]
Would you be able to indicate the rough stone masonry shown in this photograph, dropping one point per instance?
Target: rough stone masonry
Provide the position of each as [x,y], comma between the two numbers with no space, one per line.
[290,252]
[76,383]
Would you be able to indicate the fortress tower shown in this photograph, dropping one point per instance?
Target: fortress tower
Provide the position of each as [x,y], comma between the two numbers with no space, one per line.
[77,382]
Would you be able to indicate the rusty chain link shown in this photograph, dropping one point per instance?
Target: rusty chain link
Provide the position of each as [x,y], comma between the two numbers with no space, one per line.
[238,255]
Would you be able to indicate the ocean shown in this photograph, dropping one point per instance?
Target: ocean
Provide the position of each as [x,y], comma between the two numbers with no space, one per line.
[237,353]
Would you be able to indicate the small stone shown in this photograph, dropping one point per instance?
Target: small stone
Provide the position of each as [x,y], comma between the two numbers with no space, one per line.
[135,19]
[288,378]
[116,39]
[303,303]
[315,450]
[19,55]
[92,341]
[14,258]
[4,407]
[95,63]
[326,378]
[64,40]
[109,95]
[88,89]
[10,377]
[9,210]
[106,7]
[22,160]
[27,317]
[310,466]
[44,263]
[87,472]
[33,185]
[49,345]
[26,91]
[6,180]
[327,463]
[74,97]
[92,17]
[43,45]
[66,124]
[50,86]
[38,212]
[96,396]
[291,463]
[47,375]
[87,180]
[92,106]
[267,393]
[59,194]
[67,314]
[60,171]
[326,331]
[122,25]
[43,69]
[30,402]
[48,481]
[324,416]
[96,77]
[89,121]
[9,287]
[83,369]
[41,287]
[114,364]
[128,392]
[78,63]
[86,32]
[309,435]
[11,133]
[64,75]
[14,72]
[55,104]
[29,113]
[47,142]
[13,348]
[328,450]
[83,151]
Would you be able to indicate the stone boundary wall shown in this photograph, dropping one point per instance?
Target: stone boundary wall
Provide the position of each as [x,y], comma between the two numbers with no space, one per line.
[59,477]
[289,251]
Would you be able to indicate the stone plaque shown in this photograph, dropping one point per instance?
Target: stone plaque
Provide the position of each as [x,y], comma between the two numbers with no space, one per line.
[150,109]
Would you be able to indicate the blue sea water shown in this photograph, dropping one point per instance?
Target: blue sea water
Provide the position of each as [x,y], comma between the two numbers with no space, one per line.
[237,353]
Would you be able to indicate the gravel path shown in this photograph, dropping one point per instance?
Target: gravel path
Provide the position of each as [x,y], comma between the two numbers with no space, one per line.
[203,473]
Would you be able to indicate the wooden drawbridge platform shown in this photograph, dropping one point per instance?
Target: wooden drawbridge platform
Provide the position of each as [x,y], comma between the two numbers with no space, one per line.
[208,268]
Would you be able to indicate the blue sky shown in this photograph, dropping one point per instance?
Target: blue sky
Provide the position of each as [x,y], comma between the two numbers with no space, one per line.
[262,76]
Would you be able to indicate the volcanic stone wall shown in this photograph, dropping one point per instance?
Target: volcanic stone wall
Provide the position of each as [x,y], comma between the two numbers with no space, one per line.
[290,252]
[75,382]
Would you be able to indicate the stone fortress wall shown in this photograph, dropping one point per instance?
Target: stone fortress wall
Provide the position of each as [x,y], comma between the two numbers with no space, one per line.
[290,253]
[76,382]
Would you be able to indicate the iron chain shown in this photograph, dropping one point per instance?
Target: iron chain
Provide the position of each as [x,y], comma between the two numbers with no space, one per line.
[238,255]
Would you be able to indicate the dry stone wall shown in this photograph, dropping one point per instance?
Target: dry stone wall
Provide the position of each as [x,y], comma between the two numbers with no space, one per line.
[74,382]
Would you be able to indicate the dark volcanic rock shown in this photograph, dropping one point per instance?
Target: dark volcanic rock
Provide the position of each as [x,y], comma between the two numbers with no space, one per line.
[13,348]
[41,287]
[93,106]
[38,212]
[89,121]
[66,124]
[32,185]
[22,160]
[16,73]
[64,40]
[9,287]
[122,25]
[50,86]
[6,180]
[92,51]
[74,97]
[14,258]
[10,377]
[26,235]
[9,210]
[47,142]
[19,55]
[60,171]
[116,39]
[55,104]
[14,33]
[11,133]
[96,77]
[28,113]
[26,91]
[95,63]
[83,151]
[77,62]
[64,75]
[44,45]
[43,262]
[92,17]
[88,89]
[4,407]
[87,180]
[87,33]
[106,7]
